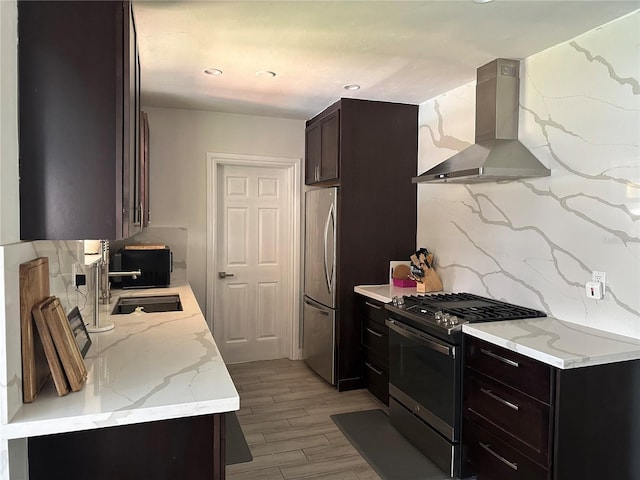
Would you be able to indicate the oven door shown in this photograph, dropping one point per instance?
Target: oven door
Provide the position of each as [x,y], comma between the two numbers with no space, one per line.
[425,377]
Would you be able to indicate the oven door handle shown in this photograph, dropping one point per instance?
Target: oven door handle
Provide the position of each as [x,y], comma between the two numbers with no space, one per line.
[415,335]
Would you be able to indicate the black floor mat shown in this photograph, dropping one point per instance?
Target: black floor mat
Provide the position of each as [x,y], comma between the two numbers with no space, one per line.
[237,450]
[384,448]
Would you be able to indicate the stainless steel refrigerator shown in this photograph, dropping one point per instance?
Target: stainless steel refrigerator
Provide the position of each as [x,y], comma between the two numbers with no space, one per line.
[320,299]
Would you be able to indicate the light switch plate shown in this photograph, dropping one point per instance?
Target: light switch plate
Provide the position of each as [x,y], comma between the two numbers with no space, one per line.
[594,290]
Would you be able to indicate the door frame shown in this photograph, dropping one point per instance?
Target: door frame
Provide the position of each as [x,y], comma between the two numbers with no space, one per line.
[293,167]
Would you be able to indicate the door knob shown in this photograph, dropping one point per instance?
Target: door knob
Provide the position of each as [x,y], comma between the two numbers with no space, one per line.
[224,274]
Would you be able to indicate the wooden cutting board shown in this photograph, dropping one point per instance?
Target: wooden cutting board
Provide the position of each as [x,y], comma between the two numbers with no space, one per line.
[145,247]
[65,344]
[57,370]
[34,287]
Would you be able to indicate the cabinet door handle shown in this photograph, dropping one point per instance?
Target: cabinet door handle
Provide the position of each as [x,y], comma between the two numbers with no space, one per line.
[499,358]
[499,457]
[489,393]
[373,332]
[374,369]
[377,307]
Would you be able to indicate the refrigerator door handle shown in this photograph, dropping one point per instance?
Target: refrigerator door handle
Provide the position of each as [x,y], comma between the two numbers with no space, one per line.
[313,305]
[329,276]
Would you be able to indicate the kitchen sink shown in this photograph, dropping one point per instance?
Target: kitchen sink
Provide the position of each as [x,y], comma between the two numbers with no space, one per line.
[148,304]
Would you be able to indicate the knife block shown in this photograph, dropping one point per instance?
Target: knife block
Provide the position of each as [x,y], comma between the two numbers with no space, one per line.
[430,282]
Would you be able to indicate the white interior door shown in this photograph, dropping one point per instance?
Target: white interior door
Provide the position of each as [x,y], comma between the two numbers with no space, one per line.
[251,315]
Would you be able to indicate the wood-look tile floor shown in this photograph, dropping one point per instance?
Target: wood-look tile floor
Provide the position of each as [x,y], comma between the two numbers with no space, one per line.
[284,414]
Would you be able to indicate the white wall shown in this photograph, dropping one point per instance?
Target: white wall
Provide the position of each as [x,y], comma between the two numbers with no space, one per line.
[535,242]
[179,143]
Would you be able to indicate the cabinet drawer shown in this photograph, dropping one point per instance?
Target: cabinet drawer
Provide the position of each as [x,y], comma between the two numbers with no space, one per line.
[523,373]
[374,310]
[516,418]
[376,376]
[489,458]
[376,337]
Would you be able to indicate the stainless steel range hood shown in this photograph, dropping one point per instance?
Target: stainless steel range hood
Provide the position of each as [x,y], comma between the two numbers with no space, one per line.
[497,153]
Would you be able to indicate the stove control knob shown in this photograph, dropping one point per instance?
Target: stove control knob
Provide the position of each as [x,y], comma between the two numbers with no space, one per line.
[446,320]
[438,317]
[454,321]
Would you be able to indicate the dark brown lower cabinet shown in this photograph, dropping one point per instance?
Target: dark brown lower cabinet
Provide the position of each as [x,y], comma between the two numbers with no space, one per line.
[190,448]
[527,420]
[376,376]
[491,458]
[375,346]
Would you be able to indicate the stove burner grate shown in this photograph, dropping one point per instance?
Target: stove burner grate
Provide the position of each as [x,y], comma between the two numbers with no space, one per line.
[468,307]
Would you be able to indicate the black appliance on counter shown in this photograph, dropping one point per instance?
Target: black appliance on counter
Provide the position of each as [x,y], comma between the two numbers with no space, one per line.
[425,367]
[155,263]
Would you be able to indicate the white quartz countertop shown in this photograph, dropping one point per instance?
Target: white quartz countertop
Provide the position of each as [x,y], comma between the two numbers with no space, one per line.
[151,366]
[557,343]
[385,293]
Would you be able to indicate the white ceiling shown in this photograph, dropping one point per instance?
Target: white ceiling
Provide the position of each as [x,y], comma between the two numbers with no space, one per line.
[400,51]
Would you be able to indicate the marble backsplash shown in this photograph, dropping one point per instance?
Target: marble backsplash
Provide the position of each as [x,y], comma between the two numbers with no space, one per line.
[175,238]
[535,242]
[62,255]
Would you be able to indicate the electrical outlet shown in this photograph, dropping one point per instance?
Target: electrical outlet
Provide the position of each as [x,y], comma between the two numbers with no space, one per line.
[593,290]
[600,277]
[77,278]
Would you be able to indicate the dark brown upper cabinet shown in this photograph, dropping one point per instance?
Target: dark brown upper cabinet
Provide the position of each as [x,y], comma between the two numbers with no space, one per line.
[143,181]
[373,152]
[322,164]
[79,120]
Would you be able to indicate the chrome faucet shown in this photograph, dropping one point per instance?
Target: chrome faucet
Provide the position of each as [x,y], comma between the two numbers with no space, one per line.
[133,274]
[105,274]
[103,287]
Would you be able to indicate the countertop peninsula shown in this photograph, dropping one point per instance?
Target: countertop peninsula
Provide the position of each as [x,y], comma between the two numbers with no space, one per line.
[556,342]
[151,366]
[385,293]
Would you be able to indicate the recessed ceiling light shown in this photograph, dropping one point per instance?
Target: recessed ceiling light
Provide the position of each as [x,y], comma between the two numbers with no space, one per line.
[266,73]
[482,1]
[352,86]
[212,71]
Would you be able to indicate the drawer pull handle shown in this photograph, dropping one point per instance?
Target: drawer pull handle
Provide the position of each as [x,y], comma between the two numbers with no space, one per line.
[374,369]
[499,457]
[498,357]
[377,307]
[373,332]
[498,399]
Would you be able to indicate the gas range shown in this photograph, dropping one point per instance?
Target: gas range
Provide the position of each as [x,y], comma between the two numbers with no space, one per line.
[425,344]
[445,313]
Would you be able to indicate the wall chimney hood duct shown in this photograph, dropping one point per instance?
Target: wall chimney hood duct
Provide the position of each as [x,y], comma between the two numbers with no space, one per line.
[497,153]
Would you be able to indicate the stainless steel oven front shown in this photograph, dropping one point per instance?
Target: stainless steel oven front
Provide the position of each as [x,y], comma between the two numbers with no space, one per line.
[425,382]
